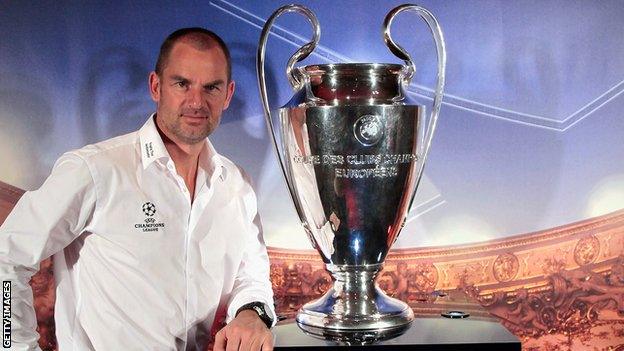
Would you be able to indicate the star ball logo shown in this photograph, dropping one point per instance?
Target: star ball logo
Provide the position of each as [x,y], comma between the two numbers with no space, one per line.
[149,209]
[150,225]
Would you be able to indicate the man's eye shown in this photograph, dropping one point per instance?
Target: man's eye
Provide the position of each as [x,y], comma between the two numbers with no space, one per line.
[181,84]
[212,87]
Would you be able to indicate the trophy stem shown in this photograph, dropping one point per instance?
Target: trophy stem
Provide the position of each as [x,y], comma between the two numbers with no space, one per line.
[355,308]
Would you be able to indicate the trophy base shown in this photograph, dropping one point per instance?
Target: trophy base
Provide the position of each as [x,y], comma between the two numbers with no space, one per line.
[355,309]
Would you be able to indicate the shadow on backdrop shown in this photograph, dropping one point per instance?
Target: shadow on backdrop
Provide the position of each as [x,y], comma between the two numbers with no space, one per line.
[242,135]
[114,97]
[25,121]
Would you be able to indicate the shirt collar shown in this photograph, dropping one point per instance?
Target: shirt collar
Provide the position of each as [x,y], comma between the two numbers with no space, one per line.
[153,148]
[210,161]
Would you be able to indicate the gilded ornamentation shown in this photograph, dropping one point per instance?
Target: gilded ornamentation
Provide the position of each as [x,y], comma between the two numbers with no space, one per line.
[576,303]
[586,250]
[505,267]
[277,276]
[409,282]
[301,282]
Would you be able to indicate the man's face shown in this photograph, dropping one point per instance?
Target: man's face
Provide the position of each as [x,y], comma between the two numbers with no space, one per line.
[191,93]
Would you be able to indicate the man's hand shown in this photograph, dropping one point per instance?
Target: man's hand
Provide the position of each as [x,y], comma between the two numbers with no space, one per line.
[246,332]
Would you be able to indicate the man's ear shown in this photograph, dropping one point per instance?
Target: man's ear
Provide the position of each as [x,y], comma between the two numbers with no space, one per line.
[154,86]
[230,92]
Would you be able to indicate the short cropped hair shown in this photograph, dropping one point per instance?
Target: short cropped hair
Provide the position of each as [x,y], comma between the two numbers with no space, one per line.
[200,38]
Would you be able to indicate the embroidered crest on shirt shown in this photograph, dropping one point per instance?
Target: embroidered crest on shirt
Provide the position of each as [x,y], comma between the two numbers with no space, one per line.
[150,225]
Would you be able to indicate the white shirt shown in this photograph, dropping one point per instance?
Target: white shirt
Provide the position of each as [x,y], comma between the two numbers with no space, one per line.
[137,266]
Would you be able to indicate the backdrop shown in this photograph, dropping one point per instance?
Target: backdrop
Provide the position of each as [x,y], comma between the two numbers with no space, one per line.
[529,136]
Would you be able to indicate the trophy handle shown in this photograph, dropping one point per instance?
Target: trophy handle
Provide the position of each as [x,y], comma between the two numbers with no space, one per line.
[295,78]
[400,52]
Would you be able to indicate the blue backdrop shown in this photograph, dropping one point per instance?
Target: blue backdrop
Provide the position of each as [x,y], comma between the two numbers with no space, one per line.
[530,133]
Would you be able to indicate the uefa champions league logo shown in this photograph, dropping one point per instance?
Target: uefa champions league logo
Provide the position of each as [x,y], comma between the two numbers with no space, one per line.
[368,130]
[150,225]
[149,209]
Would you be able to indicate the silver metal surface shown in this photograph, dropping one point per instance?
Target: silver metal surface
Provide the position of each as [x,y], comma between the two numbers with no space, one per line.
[396,49]
[352,149]
[295,81]
[355,309]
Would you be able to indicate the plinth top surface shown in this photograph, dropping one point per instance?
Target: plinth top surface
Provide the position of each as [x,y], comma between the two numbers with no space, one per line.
[428,333]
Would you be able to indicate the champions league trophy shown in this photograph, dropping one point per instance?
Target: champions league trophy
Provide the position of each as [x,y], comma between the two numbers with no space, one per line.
[352,150]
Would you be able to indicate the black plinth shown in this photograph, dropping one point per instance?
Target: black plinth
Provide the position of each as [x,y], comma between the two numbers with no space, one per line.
[429,331]
[424,334]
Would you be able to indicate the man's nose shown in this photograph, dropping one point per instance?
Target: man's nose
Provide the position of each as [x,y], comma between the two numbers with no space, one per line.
[194,98]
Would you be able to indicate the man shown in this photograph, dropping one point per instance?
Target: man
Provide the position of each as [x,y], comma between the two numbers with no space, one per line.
[153,233]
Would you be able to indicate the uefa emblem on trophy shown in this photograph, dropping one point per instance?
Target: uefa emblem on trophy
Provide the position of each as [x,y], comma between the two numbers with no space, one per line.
[352,149]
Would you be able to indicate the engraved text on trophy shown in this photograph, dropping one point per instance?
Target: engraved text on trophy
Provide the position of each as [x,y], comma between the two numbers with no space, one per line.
[360,166]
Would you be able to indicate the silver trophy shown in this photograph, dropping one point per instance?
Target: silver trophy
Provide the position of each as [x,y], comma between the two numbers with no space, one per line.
[352,150]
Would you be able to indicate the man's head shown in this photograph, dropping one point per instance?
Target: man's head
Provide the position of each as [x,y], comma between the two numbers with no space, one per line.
[191,84]
[196,35]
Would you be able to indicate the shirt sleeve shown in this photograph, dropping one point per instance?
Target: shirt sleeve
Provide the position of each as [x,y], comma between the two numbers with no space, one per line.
[252,283]
[42,223]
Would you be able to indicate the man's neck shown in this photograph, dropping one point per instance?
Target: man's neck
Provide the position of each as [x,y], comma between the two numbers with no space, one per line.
[185,157]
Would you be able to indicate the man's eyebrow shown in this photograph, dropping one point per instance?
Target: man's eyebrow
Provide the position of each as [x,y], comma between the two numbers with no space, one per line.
[178,78]
[214,83]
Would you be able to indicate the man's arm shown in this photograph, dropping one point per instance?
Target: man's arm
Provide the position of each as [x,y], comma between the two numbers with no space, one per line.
[42,223]
[252,284]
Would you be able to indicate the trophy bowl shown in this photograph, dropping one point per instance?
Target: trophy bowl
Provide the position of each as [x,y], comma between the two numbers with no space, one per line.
[352,148]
